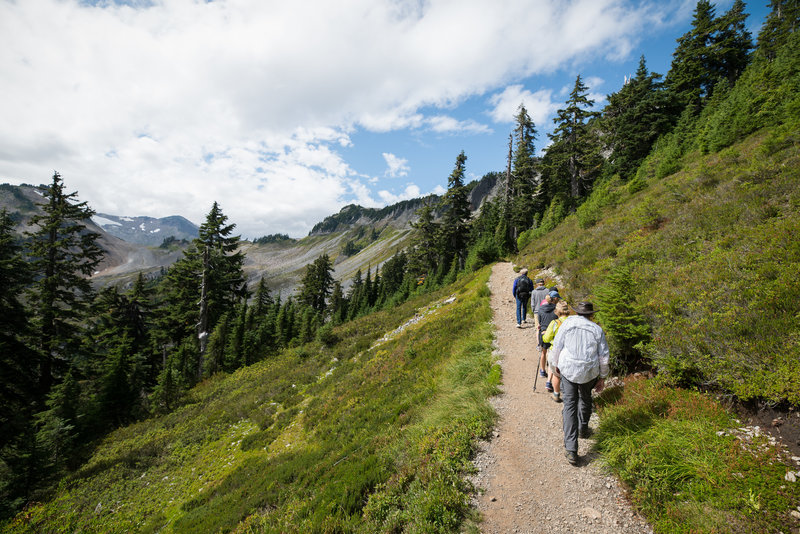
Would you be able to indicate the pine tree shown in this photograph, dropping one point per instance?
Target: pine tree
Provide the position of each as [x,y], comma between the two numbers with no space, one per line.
[317,283]
[203,285]
[118,395]
[63,255]
[338,304]
[731,44]
[58,425]
[455,221]
[263,301]
[574,155]
[18,361]
[424,254]
[222,277]
[235,350]
[622,318]
[689,78]
[782,21]
[521,205]
[634,118]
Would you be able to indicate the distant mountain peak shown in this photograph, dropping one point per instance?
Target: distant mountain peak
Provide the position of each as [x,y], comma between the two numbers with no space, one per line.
[149,231]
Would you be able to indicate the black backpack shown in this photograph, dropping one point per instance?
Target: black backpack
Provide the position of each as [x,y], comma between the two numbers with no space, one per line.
[524,287]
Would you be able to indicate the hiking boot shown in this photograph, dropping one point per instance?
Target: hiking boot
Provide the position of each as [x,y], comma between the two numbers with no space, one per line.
[519,325]
[548,386]
[572,457]
[543,374]
[585,433]
[557,397]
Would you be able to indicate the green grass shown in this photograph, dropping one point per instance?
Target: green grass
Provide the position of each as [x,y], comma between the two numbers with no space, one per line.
[713,257]
[354,437]
[686,469]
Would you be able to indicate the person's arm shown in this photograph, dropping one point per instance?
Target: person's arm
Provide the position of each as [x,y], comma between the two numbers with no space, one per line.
[555,348]
[514,288]
[603,357]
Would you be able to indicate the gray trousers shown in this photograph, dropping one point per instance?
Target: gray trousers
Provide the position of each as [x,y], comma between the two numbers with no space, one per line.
[577,410]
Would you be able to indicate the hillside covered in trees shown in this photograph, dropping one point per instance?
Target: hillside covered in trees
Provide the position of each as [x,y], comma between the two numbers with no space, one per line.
[189,404]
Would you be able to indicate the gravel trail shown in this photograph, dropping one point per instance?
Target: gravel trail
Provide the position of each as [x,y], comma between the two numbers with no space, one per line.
[526,484]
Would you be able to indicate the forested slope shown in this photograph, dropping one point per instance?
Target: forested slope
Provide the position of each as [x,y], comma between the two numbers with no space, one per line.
[364,431]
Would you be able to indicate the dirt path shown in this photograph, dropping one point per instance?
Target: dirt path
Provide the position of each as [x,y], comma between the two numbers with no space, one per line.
[528,485]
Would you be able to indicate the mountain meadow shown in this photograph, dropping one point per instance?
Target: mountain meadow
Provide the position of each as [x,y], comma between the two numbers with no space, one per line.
[197,400]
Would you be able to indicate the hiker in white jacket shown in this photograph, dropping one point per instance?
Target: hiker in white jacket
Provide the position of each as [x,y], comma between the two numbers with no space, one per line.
[580,353]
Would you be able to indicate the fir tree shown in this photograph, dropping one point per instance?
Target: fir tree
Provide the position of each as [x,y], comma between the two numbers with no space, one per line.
[455,221]
[634,118]
[782,21]
[521,205]
[731,44]
[18,362]
[574,154]
[424,256]
[689,78]
[63,255]
[317,283]
[222,277]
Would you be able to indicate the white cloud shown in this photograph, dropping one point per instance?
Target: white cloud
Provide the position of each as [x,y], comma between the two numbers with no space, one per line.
[396,166]
[445,124]
[411,191]
[540,105]
[164,108]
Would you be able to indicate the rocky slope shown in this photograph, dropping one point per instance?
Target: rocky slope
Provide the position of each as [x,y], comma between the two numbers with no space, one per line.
[355,238]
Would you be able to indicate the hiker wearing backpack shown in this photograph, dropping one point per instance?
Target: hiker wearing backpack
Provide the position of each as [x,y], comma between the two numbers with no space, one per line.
[580,354]
[539,293]
[546,314]
[522,293]
[553,384]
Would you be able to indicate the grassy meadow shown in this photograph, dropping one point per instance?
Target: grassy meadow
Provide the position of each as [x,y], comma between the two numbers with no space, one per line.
[365,433]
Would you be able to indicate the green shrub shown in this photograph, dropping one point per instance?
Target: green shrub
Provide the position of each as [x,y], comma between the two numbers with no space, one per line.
[622,319]
[686,469]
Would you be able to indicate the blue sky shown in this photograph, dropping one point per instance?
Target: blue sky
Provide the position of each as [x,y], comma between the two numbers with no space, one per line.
[284,112]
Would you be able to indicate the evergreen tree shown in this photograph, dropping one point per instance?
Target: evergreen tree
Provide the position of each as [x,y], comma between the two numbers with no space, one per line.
[393,274]
[214,359]
[782,21]
[338,304]
[222,277]
[731,44]
[622,318]
[203,285]
[18,362]
[63,255]
[263,301]
[455,223]
[118,396]
[689,78]
[634,118]
[317,283]
[58,425]
[521,205]
[424,256]
[574,155]
[355,295]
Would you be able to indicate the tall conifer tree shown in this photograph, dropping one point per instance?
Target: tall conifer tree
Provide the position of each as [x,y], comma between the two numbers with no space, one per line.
[64,254]
[455,221]
[634,118]
[574,155]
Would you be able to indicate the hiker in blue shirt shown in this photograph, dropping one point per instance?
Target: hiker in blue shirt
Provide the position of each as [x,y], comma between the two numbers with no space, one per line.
[522,293]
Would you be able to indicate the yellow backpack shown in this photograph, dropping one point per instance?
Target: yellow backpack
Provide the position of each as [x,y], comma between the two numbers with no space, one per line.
[550,334]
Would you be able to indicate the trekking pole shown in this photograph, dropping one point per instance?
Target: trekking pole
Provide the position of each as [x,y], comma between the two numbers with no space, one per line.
[538,360]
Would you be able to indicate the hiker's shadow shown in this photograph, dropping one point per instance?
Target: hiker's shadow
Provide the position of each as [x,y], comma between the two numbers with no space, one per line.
[591,456]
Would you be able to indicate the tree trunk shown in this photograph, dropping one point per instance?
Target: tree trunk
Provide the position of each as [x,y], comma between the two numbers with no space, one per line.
[202,325]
